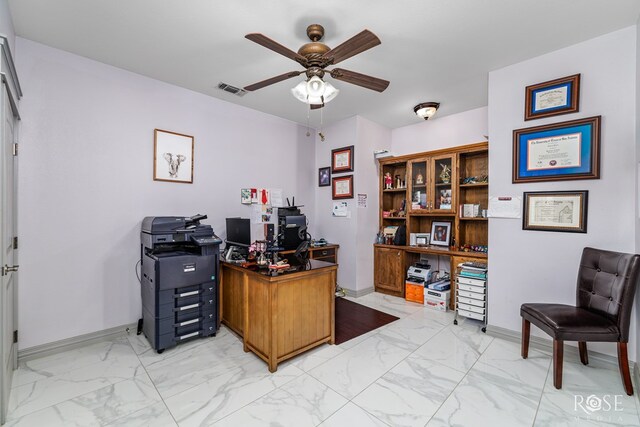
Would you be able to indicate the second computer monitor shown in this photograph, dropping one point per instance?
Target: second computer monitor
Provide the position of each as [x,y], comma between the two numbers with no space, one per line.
[239,231]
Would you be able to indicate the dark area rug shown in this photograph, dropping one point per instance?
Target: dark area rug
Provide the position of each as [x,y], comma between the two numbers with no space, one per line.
[353,320]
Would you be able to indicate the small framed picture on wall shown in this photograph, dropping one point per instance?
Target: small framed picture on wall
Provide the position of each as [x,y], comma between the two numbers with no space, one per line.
[324,177]
[172,157]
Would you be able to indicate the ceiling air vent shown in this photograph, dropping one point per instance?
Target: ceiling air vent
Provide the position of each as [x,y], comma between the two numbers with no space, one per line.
[231,89]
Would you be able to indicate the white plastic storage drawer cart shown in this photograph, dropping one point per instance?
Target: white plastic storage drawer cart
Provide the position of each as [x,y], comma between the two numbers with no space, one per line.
[471,292]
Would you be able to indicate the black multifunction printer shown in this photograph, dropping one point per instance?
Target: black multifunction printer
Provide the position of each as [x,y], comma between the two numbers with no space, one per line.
[180,264]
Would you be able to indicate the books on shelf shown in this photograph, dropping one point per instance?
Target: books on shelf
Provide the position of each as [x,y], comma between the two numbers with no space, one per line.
[469,210]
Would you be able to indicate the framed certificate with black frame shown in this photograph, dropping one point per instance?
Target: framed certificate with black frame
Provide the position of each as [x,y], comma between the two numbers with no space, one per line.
[557,152]
[555,211]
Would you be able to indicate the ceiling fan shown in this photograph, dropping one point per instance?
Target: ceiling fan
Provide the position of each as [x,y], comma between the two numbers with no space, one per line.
[315,57]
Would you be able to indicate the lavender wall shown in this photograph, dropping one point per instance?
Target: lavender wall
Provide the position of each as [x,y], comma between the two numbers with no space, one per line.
[6,25]
[86,182]
[534,266]
[441,132]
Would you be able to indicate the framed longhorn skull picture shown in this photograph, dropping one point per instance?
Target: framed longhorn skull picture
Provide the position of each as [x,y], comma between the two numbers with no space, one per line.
[172,157]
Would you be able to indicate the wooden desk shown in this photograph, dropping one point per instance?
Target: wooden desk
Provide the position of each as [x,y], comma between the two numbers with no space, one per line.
[280,316]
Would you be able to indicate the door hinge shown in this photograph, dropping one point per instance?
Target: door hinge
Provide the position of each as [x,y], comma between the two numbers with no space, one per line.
[15,242]
[15,336]
[15,149]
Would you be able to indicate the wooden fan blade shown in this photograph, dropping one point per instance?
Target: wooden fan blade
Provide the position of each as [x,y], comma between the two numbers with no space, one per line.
[276,47]
[272,80]
[355,45]
[316,106]
[363,80]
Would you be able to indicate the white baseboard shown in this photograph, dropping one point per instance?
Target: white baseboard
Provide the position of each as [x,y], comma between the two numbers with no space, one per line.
[73,342]
[357,294]
[546,344]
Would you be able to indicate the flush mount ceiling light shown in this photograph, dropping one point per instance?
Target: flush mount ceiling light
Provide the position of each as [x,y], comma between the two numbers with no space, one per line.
[426,109]
[314,91]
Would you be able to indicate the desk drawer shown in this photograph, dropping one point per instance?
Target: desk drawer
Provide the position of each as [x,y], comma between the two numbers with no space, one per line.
[323,253]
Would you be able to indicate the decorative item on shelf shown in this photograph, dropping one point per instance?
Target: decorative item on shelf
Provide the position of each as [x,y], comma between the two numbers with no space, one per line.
[419,178]
[388,181]
[474,248]
[445,199]
[403,207]
[393,213]
[386,214]
[445,175]
[440,233]
[480,179]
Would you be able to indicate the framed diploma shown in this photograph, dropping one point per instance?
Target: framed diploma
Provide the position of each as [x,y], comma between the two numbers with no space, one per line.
[555,211]
[552,98]
[342,160]
[556,152]
[342,187]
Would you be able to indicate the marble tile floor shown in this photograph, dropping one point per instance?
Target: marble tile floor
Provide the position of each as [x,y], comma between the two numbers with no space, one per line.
[418,371]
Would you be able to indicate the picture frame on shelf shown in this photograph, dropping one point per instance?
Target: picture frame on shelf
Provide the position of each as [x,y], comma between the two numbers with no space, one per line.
[552,98]
[556,152]
[324,177]
[172,157]
[440,233]
[342,159]
[564,211]
[342,187]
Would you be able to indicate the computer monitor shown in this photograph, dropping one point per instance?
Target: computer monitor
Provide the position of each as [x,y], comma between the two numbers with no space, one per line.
[239,232]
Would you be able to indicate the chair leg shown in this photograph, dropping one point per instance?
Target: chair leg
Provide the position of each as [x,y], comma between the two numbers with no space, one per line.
[584,356]
[558,353]
[526,330]
[623,363]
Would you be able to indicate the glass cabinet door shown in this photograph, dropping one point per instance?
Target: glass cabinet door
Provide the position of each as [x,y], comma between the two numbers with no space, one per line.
[443,178]
[419,185]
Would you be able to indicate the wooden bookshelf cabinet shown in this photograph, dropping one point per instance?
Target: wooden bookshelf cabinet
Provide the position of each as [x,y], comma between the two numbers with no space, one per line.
[427,187]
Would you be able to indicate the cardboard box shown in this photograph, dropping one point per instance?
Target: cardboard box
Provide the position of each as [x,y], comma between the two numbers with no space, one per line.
[438,300]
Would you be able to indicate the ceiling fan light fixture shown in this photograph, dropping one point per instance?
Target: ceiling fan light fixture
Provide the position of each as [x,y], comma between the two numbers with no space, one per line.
[315,86]
[426,109]
[302,94]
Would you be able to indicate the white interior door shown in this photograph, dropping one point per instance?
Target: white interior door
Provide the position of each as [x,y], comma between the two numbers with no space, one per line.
[8,258]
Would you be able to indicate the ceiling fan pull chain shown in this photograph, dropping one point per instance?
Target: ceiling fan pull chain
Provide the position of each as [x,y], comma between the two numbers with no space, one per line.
[320,134]
[308,113]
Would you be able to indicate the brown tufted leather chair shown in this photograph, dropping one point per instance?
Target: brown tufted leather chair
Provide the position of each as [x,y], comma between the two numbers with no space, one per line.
[604,298]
